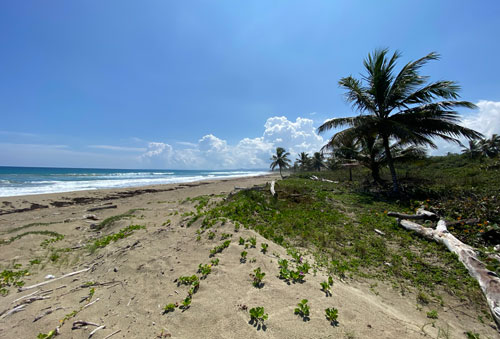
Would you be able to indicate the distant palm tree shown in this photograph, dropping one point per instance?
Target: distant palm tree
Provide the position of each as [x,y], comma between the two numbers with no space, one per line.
[303,160]
[402,106]
[317,161]
[280,159]
[490,147]
[474,149]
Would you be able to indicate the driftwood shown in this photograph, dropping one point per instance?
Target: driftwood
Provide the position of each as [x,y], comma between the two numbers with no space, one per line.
[273,192]
[100,208]
[420,215]
[46,312]
[488,281]
[97,329]
[81,323]
[52,280]
[112,334]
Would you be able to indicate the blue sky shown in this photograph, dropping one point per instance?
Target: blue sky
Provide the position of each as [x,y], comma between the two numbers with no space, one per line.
[186,84]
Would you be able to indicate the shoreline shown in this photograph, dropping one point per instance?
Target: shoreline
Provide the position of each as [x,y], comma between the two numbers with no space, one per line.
[33,202]
[132,183]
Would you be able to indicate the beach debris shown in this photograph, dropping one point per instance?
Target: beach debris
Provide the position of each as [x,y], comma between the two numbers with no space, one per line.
[112,334]
[90,217]
[379,232]
[16,309]
[98,208]
[273,192]
[97,329]
[81,323]
[49,276]
[46,312]
[52,280]
[91,303]
[467,255]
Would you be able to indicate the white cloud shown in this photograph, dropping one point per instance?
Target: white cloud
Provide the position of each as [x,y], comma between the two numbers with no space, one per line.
[485,120]
[212,152]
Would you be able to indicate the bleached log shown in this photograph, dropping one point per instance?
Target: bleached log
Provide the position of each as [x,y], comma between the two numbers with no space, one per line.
[52,280]
[273,192]
[81,323]
[46,312]
[488,281]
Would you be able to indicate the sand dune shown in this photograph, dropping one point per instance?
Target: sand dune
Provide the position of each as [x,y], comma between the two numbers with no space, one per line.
[135,277]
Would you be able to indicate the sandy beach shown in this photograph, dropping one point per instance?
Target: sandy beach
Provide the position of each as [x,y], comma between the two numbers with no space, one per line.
[127,283]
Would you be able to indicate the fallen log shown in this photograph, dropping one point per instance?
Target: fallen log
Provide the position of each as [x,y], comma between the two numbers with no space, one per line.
[488,281]
[420,215]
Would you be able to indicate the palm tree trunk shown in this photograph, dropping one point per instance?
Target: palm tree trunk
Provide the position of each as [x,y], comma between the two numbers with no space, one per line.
[395,186]
[281,175]
[376,172]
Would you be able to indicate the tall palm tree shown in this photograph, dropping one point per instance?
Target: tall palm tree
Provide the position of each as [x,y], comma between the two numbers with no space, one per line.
[402,106]
[280,159]
[303,160]
[317,161]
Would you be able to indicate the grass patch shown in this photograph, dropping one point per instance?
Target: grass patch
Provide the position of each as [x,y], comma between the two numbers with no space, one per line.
[34,224]
[54,237]
[109,221]
[106,240]
[336,224]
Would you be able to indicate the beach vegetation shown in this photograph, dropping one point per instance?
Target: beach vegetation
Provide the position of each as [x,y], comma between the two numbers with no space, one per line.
[211,235]
[215,261]
[33,224]
[258,276]
[54,236]
[169,308]
[106,240]
[264,247]
[111,220]
[252,241]
[303,309]
[205,270]
[243,257]
[331,315]
[432,314]
[186,303]
[187,280]
[225,236]
[325,287]
[220,248]
[12,278]
[258,316]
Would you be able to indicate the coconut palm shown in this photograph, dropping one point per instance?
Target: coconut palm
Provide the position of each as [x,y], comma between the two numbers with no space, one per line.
[490,147]
[402,106]
[317,161]
[303,160]
[473,150]
[280,159]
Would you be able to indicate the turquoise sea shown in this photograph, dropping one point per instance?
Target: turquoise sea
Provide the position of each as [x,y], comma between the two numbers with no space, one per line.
[38,180]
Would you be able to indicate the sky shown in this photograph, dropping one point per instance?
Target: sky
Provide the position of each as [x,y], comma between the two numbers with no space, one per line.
[216,84]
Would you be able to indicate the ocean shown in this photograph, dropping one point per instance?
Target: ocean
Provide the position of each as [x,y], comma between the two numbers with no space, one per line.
[39,180]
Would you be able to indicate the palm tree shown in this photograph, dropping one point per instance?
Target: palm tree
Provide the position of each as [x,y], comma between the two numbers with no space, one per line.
[402,106]
[280,159]
[303,160]
[490,147]
[317,161]
[474,149]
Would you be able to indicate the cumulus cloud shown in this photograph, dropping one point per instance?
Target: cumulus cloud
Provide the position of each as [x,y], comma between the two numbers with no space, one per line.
[485,120]
[211,152]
